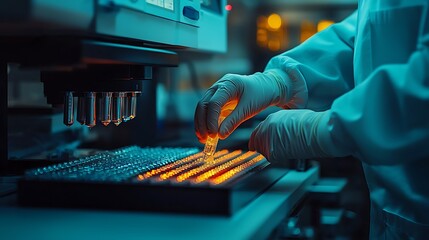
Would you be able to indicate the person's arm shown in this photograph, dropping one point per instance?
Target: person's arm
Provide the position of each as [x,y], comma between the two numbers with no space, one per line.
[384,120]
[321,67]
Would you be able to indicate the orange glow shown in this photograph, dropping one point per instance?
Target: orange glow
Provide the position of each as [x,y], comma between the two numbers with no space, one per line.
[262,22]
[219,168]
[222,167]
[308,29]
[274,45]
[178,170]
[186,166]
[323,24]
[206,166]
[262,37]
[231,173]
[274,21]
[169,166]
[271,32]
[211,142]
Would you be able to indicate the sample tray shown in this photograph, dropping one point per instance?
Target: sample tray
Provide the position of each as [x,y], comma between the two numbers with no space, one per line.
[152,179]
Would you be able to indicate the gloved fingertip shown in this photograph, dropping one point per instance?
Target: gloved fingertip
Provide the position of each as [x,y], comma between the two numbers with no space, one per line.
[223,136]
[212,135]
[224,132]
[197,133]
[200,135]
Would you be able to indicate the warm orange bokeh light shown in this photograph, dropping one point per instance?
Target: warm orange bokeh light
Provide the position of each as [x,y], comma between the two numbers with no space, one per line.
[323,24]
[274,21]
[308,29]
[274,45]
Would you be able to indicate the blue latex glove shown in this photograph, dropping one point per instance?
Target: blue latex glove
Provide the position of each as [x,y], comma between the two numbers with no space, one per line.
[254,93]
[292,134]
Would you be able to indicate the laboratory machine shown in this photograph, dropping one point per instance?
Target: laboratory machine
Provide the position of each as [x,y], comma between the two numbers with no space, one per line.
[96,64]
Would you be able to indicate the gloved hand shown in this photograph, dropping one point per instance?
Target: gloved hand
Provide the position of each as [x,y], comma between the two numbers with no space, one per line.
[253,92]
[293,134]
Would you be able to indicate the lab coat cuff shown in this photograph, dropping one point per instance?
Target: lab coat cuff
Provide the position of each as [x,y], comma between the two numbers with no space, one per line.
[294,93]
[325,139]
[283,83]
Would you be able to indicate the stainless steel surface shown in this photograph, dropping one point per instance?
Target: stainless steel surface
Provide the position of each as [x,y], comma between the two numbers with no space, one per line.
[81,110]
[117,108]
[90,108]
[99,106]
[122,96]
[105,108]
[133,105]
[68,109]
[126,110]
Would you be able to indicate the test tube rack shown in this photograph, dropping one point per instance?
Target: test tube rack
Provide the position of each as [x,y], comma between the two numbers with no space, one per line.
[159,179]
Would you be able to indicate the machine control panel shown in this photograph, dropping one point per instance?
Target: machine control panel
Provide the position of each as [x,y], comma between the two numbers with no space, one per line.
[197,25]
[187,11]
[167,4]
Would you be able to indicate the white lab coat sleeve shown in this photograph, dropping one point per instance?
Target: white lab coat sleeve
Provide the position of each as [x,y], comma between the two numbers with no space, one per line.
[320,69]
[384,120]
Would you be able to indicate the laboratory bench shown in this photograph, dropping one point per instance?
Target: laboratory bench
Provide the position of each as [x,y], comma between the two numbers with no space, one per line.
[256,220]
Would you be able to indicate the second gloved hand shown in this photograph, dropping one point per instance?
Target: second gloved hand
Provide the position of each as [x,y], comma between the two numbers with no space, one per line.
[254,93]
[291,134]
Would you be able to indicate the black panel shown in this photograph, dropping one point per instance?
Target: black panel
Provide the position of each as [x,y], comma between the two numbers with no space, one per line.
[72,186]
